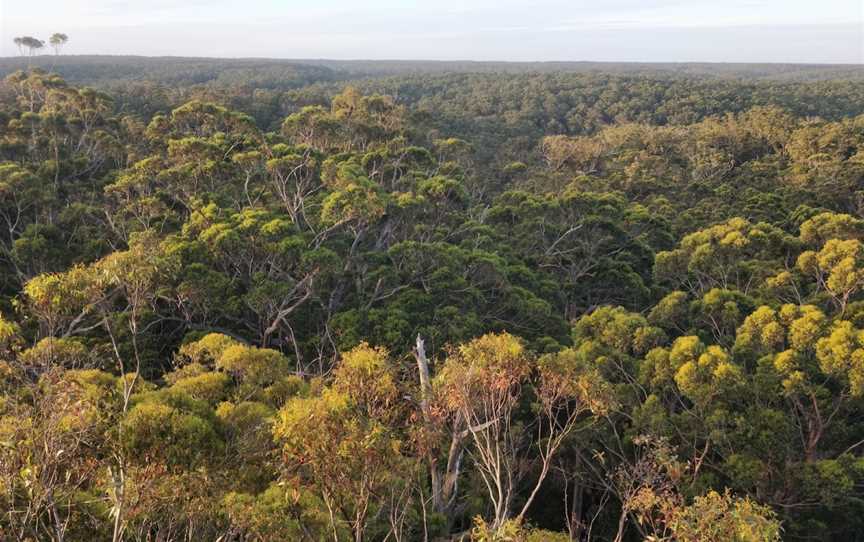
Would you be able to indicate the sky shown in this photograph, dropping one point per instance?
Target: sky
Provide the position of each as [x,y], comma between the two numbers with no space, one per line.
[807,31]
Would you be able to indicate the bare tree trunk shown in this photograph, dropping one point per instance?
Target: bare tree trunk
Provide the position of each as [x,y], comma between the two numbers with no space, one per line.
[444,480]
[119,490]
[425,391]
[622,522]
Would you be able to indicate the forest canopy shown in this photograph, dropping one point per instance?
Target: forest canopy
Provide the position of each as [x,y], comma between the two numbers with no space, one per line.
[260,301]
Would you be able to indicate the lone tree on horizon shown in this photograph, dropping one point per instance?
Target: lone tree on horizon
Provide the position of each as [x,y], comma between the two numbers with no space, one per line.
[57,41]
[30,43]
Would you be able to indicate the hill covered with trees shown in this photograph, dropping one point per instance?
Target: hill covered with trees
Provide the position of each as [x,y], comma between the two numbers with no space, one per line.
[261,300]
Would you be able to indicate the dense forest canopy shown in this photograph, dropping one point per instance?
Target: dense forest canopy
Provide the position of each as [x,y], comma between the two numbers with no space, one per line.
[252,300]
[500,107]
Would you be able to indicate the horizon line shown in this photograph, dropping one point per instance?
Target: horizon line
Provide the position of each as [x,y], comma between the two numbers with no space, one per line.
[433,60]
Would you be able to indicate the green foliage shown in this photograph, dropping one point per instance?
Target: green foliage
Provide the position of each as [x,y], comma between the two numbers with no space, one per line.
[171,427]
[716,517]
[635,293]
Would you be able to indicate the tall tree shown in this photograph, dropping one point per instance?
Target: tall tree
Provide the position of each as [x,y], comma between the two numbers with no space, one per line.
[57,41]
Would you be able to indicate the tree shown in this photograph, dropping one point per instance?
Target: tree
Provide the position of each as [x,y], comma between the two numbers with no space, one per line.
[30,43]
[84,298]
[838,268]
[19,43]
[443,477]
[342,442]
[733,255]
[483,381]
[720,516]
[57,41]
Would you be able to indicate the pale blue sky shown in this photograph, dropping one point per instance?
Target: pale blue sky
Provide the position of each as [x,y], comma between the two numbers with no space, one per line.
[611,30]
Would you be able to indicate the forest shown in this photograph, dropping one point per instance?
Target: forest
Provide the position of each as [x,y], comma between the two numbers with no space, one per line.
[251,300]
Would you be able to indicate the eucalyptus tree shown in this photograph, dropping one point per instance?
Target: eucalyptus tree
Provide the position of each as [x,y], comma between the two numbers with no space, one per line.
[33,45]
[58,40]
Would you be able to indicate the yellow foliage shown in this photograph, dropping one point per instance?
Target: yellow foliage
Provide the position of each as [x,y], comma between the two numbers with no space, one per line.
[252,365]
[365,375]
[841,355]
[208,349]
[704,373]
[716,517]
